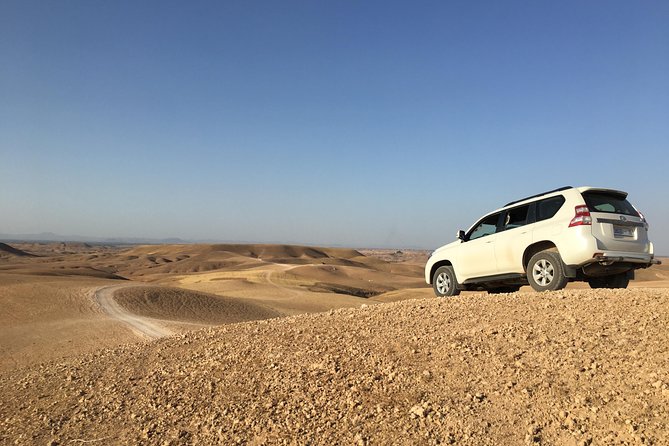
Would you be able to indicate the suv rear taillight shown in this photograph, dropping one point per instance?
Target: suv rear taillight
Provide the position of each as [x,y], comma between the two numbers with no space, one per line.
[643,219]
[582,217]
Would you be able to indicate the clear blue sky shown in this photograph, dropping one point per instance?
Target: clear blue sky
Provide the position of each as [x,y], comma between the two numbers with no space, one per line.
[349,123]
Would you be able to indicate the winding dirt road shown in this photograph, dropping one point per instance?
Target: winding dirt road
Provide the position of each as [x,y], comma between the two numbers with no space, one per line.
[142,326]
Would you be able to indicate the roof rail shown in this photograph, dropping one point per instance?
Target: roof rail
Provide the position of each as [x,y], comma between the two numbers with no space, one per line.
[539,195]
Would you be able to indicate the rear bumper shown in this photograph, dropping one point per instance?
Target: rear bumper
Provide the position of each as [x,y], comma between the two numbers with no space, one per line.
[612,262]
[625,257]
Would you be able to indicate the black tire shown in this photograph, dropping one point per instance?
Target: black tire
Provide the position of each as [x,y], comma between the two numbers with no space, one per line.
[597,282]
[545,271]
[503,289]
[620,280]
[444,282]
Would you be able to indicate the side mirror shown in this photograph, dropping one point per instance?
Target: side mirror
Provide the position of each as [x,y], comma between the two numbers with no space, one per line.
[461,235]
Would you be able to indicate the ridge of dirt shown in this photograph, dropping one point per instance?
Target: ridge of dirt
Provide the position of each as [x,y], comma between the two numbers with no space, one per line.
[264,251]
[61,271]
[177,304]
[6,249]
[570,367]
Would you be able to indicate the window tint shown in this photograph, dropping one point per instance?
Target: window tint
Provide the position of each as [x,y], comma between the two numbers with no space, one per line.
[486,227]
[608,202]
[516,217]
[548,208]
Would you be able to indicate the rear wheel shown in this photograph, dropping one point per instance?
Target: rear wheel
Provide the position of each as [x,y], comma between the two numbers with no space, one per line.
[545,271]
[620,280]
[444,283]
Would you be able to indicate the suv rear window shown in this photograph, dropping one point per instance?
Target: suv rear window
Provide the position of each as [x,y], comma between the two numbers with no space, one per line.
[548,208]
[609,203]
[516,217]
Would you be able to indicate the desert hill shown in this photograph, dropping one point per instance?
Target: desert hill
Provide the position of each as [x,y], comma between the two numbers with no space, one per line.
[173,304]
[569,367]
[162,263]
[7,250]
[50,309]
[170,259]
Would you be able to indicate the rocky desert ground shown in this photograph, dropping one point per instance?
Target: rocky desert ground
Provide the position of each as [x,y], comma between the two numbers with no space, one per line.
[271,344]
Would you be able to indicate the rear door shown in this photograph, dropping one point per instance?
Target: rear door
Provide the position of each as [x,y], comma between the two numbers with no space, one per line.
[514,236]
[616,225]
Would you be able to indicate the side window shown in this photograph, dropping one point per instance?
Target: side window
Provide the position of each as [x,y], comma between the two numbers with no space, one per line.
[548,208]
[485,227]
[516,217]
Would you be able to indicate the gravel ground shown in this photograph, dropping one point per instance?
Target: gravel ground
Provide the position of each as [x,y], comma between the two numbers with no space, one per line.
[571,367]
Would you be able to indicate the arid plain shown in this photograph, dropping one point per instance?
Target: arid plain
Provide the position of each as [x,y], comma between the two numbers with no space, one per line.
[277,344]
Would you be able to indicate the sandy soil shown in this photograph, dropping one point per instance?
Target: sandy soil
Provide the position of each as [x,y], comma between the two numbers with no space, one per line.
[46,317]
[383,361]
[570,367]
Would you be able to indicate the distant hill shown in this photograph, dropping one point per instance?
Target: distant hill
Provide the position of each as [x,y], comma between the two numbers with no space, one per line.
[52,237]
[6,249]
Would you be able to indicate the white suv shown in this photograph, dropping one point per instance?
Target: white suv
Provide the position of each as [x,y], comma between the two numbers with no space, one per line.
[568,234]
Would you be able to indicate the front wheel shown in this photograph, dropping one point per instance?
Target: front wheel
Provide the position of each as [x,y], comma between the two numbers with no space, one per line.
[545,271]
[444,283]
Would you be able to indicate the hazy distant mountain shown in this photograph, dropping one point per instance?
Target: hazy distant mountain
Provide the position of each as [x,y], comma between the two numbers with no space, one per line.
[51,237]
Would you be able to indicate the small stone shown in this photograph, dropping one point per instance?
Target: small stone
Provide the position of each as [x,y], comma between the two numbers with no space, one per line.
[418,411]
[359,440]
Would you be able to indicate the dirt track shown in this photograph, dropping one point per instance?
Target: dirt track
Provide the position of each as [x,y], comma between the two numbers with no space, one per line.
[571,367]
[142,326]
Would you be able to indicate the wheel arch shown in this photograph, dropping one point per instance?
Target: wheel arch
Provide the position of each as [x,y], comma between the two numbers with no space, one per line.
[438,265]
[544,245]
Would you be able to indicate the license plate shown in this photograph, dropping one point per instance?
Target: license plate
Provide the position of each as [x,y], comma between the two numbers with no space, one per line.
[623,231]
